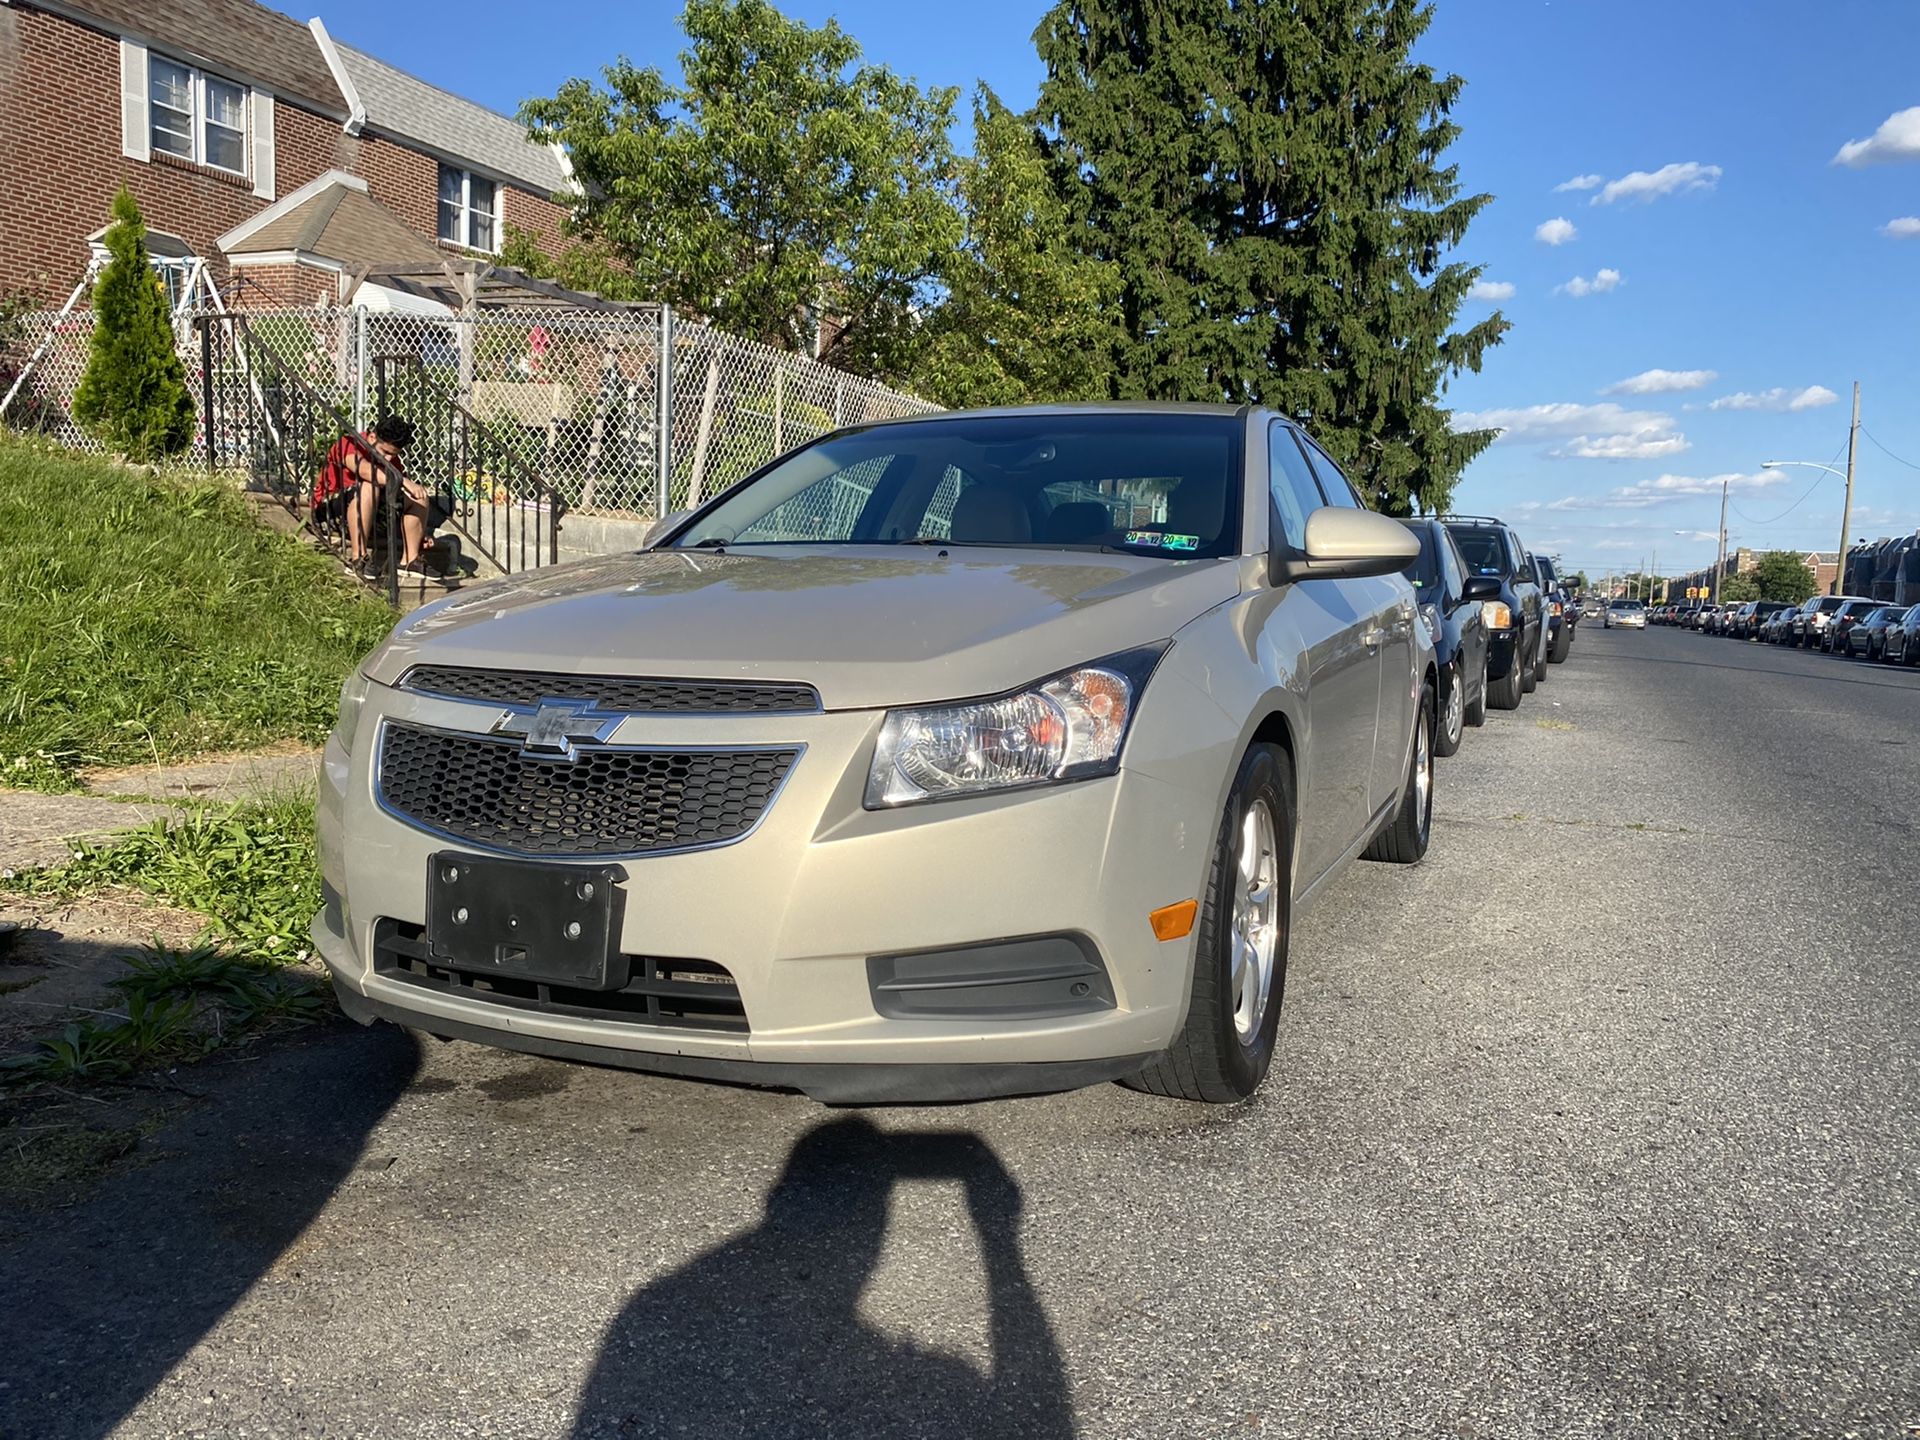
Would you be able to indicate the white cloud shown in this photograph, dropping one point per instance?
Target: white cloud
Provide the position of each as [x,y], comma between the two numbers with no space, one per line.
[1591,432]
[1661,382]
[1491,290]
[1898,138]
[1777,399]
[1645,185]
[1557,231]
[1581,182]
[1907,227]
[1713,535]
[1600,284]
[1660,490]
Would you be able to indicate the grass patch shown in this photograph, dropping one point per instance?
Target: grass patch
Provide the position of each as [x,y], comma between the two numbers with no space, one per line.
[251,869]
[149,618]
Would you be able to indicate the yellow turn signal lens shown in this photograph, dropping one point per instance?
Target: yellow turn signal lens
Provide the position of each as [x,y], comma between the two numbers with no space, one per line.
[1174,922]
[1496,614]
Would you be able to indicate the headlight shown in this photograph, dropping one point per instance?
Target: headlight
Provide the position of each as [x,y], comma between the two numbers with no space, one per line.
[1496,614]
[353,695]
[1069,727]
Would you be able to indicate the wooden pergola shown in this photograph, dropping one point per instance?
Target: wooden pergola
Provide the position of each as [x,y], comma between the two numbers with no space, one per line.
[464,284]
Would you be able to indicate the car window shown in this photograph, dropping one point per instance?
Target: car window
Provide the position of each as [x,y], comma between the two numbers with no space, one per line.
[1453,569]
[1154,484]
[1295,493]
[1333,481]
[1483,549]
[1424,569]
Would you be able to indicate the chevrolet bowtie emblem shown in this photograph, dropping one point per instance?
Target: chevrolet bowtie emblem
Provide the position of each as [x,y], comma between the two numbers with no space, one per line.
[551,729]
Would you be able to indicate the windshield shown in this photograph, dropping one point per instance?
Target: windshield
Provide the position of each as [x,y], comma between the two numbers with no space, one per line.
[1424,569]
[1626,605]
[1482,549]
[1150,484]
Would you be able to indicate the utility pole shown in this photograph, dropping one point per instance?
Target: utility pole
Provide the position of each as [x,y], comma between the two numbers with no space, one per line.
[1720,562]
[1846,506]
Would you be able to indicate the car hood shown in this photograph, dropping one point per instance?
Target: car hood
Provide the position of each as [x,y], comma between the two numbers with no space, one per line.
[867,627]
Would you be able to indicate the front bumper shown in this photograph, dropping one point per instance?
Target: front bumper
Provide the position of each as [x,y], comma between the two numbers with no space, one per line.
[805,909]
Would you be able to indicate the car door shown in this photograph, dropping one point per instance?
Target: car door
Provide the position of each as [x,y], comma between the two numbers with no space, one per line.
[1317,620]
[1468,614]
[1386,602]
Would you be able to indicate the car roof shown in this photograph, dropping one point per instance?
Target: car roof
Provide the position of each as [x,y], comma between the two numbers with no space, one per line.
[1078,407]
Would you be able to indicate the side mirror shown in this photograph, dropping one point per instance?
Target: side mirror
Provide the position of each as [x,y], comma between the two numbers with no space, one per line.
[661,527]
[1481,587]
[1345,544]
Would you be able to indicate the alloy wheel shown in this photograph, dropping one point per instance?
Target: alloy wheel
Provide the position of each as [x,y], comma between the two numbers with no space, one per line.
[1254,933]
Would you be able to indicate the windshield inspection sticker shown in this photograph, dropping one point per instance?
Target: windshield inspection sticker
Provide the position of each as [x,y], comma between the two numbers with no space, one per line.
[1163,542]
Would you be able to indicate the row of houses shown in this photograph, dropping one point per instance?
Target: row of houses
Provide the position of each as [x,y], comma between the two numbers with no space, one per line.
[1823,563]
[271,161]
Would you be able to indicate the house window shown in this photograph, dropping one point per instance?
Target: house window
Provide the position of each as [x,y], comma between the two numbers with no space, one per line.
[468,209]
[196,116]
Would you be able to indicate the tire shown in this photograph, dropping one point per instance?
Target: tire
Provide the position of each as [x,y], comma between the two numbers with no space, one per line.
[1477,708]
[1214,1059]
[1506,691]
[1529,675]
[1452,728]
[1404,841]
[1562,647]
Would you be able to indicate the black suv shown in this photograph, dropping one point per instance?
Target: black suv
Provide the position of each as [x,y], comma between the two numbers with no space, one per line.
[1516,617]
[1453,603]
[1562,613]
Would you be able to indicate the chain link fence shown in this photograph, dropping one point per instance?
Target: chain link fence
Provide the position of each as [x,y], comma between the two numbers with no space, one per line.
[580,396]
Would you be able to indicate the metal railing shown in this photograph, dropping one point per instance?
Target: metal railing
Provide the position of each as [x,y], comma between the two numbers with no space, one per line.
[491,493]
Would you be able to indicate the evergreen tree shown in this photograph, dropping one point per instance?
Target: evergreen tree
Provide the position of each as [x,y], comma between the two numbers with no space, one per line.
[133,394]
[1026,316]
[1267,175]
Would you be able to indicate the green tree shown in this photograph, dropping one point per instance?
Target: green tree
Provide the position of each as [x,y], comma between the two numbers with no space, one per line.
[1268,177]
[1738,589]
[133,394]
[1026,316]
[581,266]
[1783,575]
[783,191]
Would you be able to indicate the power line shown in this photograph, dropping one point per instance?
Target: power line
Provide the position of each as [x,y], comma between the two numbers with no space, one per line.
[1810,489]
[1886,452]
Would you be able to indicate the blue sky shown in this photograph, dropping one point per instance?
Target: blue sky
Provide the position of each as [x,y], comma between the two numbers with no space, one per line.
[1715,236]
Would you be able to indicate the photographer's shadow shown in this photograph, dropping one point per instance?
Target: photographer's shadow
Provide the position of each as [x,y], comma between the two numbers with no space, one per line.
[762,1336]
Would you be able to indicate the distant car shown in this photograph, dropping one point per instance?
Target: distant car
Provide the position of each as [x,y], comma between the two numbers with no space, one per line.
[1748,619]
[1777,628]
[1516,620]
[1562,613]
[1851,612]
[1625,615]
[1701,616]
[1811,620]
[1867,638]
[1903,638]
[1453,603]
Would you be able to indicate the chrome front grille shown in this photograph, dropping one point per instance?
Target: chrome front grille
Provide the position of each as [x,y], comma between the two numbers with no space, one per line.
[609,801]
[622,694]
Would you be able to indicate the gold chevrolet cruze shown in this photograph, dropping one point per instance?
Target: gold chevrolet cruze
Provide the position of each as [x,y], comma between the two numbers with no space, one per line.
[968,755]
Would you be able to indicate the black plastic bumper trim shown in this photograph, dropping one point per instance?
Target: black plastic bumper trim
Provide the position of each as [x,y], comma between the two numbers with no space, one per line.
[1034,977]
[829,1084]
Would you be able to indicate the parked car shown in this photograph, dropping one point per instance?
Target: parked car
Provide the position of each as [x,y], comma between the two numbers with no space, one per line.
[1867,637]
[1811,619]
[1516,619]
[1453,604]
[1701,616]
[1777,628]
[1833,639]
[1562,613]
[1903,638]
[964,755]
[1747,620]
[1625,615]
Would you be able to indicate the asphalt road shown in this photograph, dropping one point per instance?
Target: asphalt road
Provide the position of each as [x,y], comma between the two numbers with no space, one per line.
[1603,1122]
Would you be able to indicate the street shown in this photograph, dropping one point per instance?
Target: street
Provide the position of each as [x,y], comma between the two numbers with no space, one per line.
[1601,1122]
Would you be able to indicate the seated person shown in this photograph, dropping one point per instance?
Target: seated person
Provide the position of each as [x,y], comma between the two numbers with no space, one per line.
[350,486]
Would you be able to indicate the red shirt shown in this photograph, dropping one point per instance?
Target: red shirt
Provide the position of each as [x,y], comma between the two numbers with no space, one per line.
[341,472]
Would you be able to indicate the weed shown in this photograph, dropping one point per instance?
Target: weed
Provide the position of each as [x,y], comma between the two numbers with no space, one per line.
[250,868]
[148,618]
[1548,724]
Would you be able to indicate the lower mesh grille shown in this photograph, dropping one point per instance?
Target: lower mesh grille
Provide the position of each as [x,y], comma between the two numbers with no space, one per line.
[679,994]
[607,801]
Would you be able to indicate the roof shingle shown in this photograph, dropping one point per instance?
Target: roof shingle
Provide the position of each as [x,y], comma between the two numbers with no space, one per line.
[238,37]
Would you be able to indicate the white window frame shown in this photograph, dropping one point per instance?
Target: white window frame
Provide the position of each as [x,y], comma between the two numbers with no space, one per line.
[197,97]
[465,238]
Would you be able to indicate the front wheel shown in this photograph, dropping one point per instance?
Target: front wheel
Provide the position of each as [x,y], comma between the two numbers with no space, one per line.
[1404,841]
[1477,707]
[1224,1048]
[1507,690]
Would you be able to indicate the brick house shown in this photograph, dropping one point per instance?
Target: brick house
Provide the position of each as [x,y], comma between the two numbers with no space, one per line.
[224,118]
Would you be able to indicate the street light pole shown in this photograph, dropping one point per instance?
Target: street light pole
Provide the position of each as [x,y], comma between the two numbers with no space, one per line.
[1720,564]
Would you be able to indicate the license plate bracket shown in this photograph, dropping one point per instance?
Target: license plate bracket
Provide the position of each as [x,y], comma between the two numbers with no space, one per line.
[524,919]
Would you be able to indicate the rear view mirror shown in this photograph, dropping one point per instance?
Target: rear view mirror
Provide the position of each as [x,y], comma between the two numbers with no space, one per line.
[1344,544]
[1481,587]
